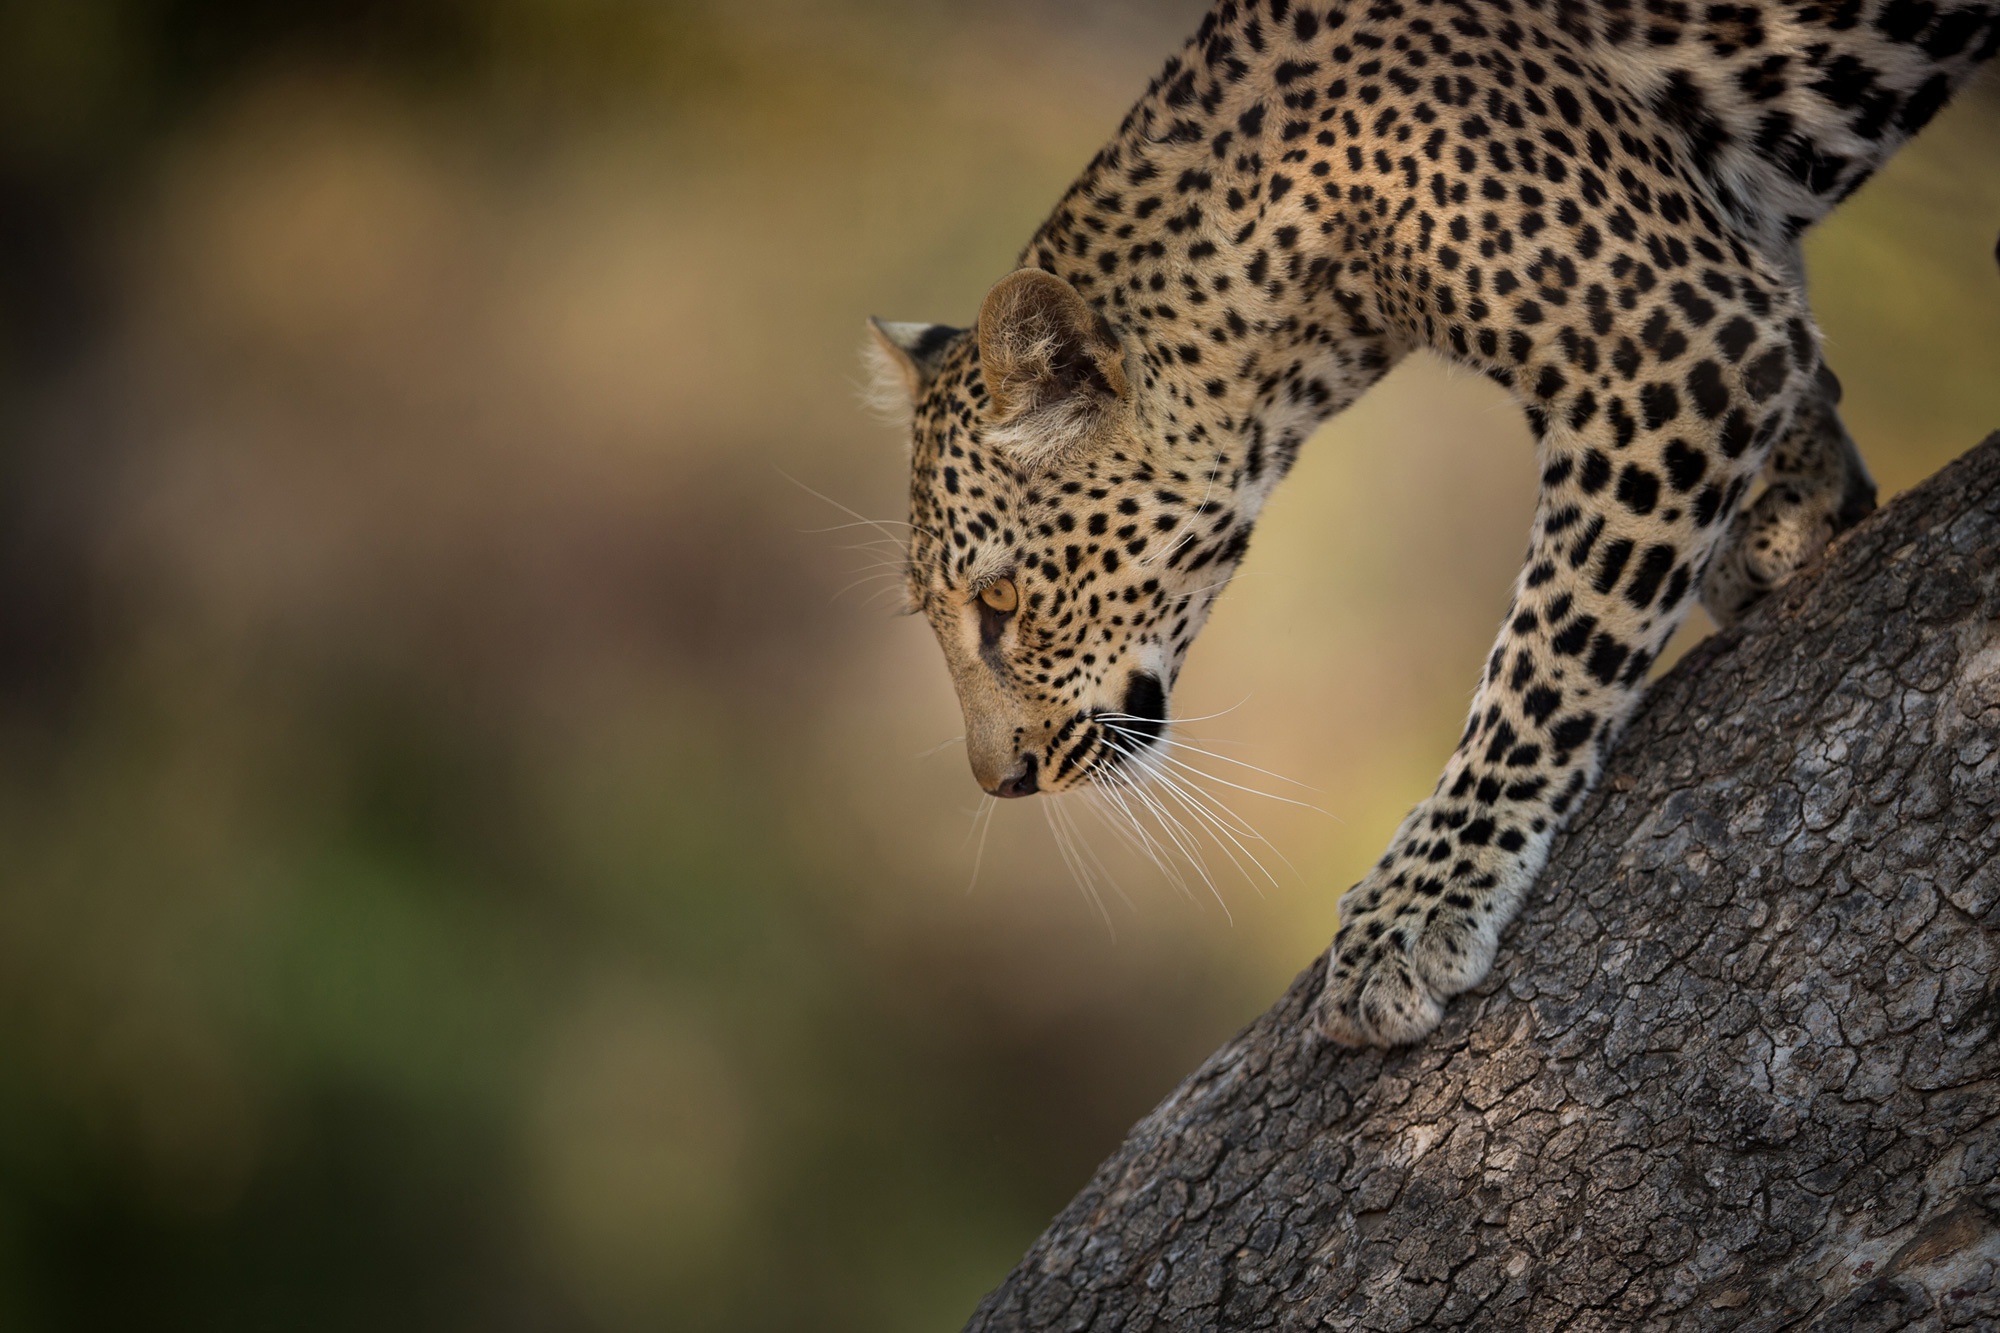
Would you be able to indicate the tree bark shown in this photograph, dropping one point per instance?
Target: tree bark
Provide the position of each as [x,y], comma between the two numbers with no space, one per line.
[1738,1065]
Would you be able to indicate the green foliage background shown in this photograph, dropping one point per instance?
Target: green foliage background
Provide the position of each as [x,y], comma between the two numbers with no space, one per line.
[469,860]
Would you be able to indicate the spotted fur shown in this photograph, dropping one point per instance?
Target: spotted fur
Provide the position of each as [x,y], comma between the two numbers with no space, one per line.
[1596,203]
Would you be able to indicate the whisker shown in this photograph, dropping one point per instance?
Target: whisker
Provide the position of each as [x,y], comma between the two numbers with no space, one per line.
[859,517]
[1080,845]
[1207,815]
[1167,740]
[893,556]
[1177,721]
[978,809]
[986,808]
[1186,767]
[881,563]
[1136,836]
[1220,817]
[1075,866]
[1189,531]
[1096,860]
[1117,787]
[1241,824]
[1179,744]
[1220,583]
[1179,782]
[859,523]
[1218,810]
[1178,833]
[865,574]
[863,582]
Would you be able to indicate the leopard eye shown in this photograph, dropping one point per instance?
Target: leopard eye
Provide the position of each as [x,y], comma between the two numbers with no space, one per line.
[1001,595]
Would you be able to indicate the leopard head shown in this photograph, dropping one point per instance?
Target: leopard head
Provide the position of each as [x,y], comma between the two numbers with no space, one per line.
[1070,530]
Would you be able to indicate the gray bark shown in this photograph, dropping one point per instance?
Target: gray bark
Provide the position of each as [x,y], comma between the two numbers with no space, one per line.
[1738,1065]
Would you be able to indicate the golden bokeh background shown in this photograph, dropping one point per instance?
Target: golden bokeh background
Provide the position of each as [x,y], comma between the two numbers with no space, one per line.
[472,859]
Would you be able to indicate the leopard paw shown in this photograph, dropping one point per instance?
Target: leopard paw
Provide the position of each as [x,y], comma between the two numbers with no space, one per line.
[1395,961]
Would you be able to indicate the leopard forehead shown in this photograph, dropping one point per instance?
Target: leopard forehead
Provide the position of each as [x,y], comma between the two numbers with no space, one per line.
[977,511]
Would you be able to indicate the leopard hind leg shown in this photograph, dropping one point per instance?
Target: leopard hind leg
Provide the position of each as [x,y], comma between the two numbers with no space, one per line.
[1816,488]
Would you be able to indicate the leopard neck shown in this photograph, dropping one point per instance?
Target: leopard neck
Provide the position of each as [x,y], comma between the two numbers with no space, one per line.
[1210,233]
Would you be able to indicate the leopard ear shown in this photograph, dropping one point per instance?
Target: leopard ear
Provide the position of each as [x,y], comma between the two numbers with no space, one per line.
[1054,368]
[902,359]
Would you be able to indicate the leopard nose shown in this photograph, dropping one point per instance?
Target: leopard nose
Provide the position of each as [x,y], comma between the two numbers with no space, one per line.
[1020,780]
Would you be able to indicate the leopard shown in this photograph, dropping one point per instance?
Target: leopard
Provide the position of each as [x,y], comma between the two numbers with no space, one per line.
[1596,204]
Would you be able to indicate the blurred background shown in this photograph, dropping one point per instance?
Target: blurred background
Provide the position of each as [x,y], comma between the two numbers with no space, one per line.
[471,859]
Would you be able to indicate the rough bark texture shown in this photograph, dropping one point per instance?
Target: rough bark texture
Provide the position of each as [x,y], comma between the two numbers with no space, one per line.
[1738,1066]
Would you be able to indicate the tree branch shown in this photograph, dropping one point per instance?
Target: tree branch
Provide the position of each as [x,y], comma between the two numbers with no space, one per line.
[1738,1066]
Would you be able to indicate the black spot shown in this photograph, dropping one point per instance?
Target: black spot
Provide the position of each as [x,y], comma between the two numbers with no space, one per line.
[1697,307]
[1924,103]
[1615,555]
[1804,354]
[1677,587]
[1764,80]
[1736,338]
[1145,706]
[1736,434]
[1952,33]
[1579,550]
[1233,549]
[1902,20]
[1585,405]
[1660,403]
[1653,567]
[1606,656]
[1767,374]
[1705,386]
[1682,104]
[1845,82]
[1638,489]
[1706,505]
[1573,731]
[1685,465]
[1663,337]
[1573,638]
[1596,472]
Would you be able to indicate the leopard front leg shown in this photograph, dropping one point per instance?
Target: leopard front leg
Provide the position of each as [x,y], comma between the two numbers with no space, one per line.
[1641,467]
